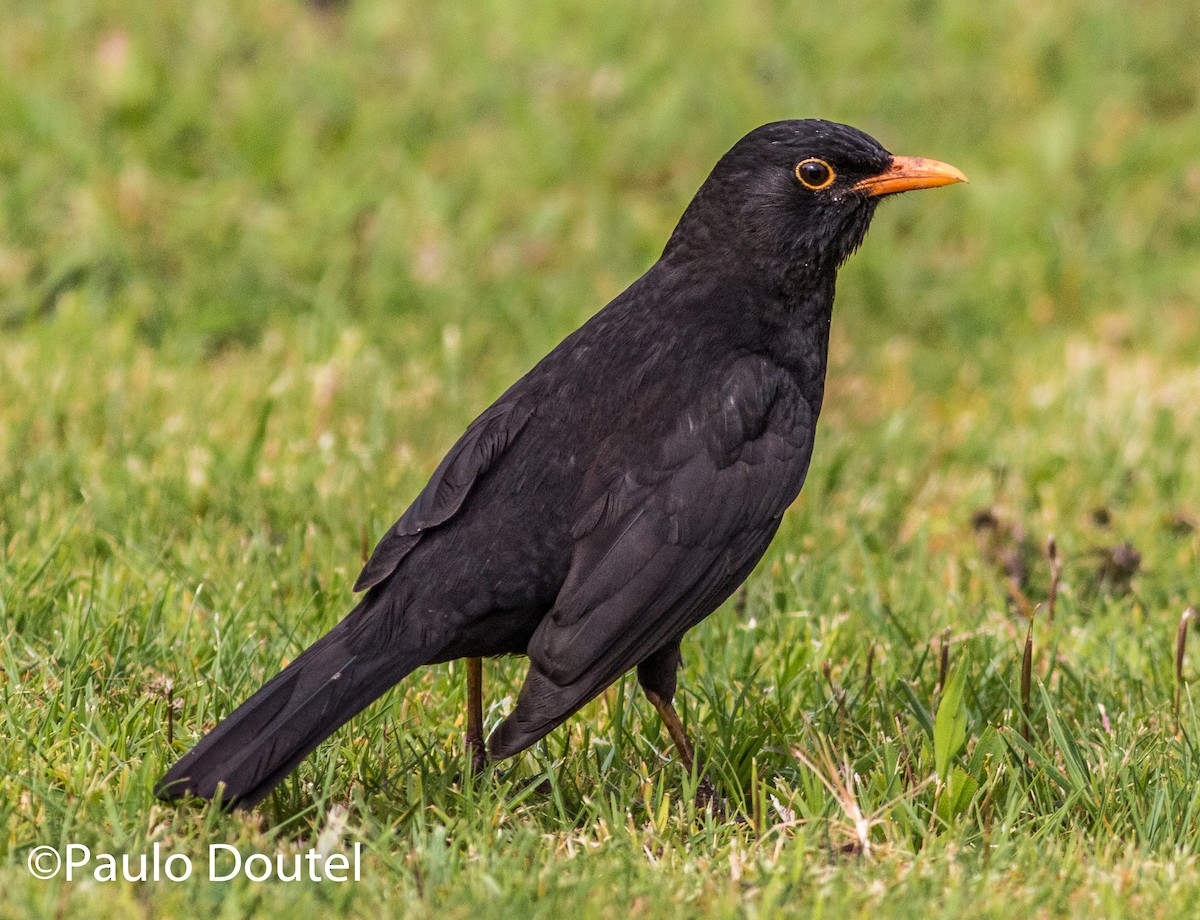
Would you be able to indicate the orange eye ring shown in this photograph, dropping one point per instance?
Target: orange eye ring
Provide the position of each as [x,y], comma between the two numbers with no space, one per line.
[815,174]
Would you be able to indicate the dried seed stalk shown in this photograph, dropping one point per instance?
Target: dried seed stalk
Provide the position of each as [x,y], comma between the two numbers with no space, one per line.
[1055,574]
[1189,616]
[1027,682]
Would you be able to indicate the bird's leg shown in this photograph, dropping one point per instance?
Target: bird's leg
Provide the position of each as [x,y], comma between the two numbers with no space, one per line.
[706,792]
[475,743]
[657,676]
[666,711]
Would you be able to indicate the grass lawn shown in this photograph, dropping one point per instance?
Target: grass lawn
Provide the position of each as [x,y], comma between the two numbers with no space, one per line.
[260,264]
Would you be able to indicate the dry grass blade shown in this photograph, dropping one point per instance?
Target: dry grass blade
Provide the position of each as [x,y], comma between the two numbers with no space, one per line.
[839,782]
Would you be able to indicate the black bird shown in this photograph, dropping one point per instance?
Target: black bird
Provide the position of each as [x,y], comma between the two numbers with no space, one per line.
[616,494]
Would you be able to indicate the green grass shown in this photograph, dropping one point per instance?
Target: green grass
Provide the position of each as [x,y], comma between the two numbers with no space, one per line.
[260,265]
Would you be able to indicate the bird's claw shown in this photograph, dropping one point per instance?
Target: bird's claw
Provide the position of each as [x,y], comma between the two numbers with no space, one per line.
[707,797]
[478,755]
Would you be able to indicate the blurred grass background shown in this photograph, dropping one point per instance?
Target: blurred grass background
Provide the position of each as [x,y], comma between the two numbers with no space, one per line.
[260,263]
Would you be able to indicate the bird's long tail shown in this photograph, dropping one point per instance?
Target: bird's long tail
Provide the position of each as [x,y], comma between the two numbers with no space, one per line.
[263,740]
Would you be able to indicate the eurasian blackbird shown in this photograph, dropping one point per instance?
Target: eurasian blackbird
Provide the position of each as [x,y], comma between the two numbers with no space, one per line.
[620,491]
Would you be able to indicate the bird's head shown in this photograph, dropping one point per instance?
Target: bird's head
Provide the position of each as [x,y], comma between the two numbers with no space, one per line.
[798,196]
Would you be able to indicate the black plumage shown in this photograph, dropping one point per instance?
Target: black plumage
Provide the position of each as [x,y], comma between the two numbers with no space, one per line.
[616,494]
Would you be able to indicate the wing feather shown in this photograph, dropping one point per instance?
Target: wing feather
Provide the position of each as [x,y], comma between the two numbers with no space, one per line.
[476,452]
[660,544]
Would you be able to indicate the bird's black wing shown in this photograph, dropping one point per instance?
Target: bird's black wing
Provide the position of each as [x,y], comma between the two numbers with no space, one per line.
[476,452]
[662,542]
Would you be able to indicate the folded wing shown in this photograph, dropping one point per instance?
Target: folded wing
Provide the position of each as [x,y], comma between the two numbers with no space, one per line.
[661,542]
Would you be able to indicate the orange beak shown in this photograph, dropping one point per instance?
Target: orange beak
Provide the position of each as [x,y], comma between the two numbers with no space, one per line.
[909,173]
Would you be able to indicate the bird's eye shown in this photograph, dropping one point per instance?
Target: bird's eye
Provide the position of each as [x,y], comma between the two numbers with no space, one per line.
[815,174]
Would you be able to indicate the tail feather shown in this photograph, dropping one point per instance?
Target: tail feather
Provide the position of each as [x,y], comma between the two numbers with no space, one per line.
[542,706]
[264,739]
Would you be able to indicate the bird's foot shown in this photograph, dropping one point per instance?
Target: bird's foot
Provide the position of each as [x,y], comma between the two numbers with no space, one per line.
[707,797]
[477,754]
[477,760]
